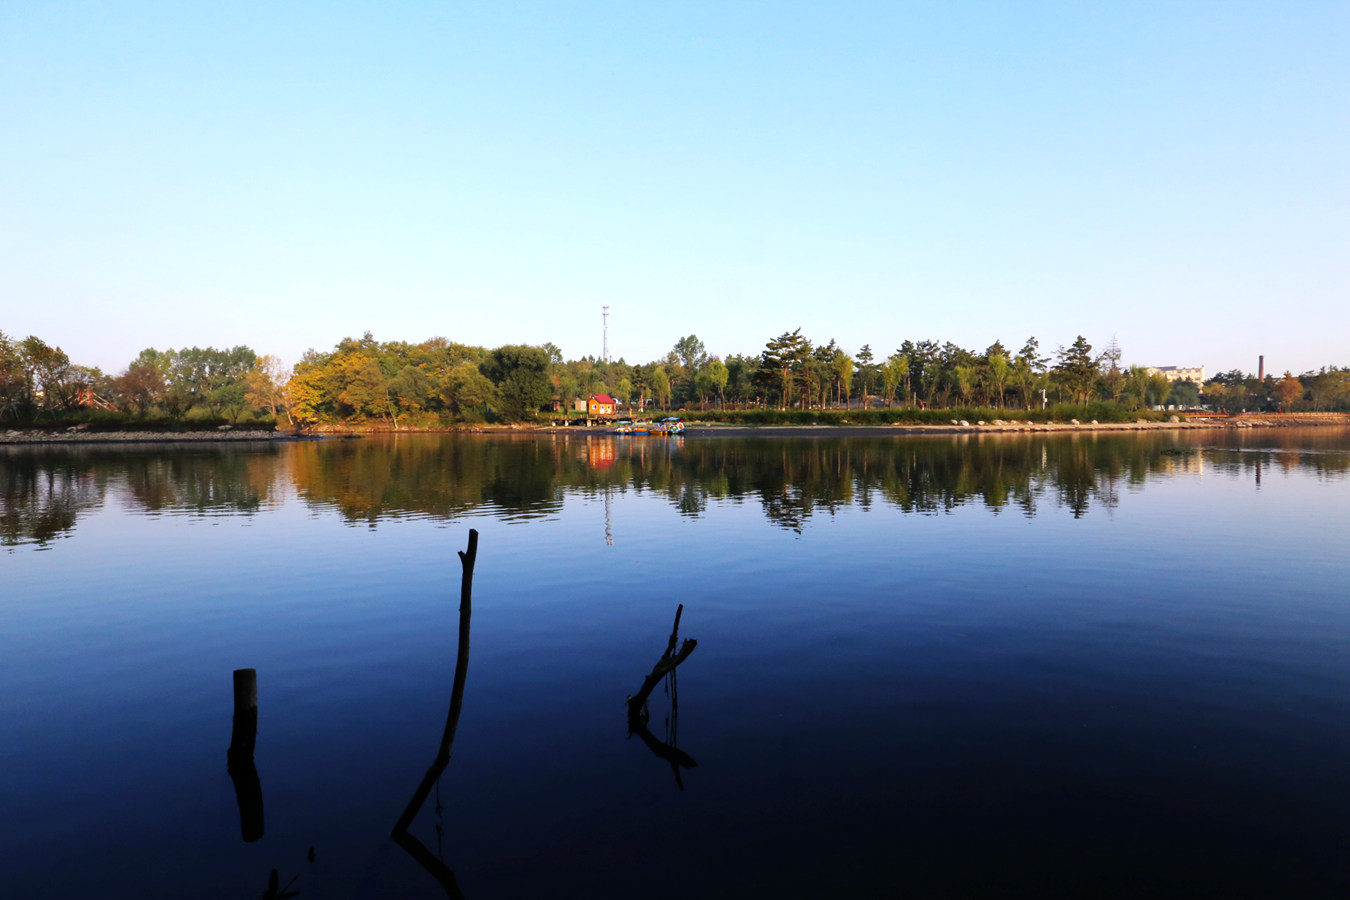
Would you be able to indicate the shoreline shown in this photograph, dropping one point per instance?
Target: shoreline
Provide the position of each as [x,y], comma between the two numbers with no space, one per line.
[1332,420]
[694,429]
[67,436]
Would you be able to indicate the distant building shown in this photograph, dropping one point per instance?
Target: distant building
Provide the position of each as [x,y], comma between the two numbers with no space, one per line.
[1179,373]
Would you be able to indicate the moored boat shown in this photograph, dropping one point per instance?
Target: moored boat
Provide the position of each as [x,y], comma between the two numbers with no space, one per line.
[671,425]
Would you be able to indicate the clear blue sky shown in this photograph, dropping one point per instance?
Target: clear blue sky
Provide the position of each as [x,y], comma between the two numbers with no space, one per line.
[285,174]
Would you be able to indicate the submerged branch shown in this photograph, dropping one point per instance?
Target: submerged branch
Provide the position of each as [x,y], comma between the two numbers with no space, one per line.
[667,663]
[419,797]
[637,704]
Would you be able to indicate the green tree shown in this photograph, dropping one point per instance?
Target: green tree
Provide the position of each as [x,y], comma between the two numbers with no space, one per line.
[781,359]
[468,393]
[843,376]
[718,372]
[366,392]
[49,373]
[1112,377]
[265,387]
[740,377]
[996,359]
[411,391]
[703,386]
[893,374]
[865,373]
[659,382]
[623,390]
[16,393]
[1158,389]
[1184,394]
[1076,370]
[1328,388]
[520,375]
[1134,388]
[691,353]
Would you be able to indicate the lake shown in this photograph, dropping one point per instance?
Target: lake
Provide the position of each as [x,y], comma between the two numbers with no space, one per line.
[928,666]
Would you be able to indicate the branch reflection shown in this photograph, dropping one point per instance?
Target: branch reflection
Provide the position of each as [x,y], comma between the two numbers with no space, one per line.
[415,848]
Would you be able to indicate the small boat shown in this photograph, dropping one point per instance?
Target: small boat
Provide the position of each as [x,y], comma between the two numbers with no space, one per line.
[671,425]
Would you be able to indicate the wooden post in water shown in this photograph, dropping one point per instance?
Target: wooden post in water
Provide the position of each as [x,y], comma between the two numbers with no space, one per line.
[243,739]
[244,735]
[466,561]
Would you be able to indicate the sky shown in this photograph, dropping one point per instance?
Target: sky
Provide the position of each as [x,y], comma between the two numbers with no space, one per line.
[1173,176]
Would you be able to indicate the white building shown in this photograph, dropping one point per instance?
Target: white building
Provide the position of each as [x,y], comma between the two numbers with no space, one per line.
[1179,373]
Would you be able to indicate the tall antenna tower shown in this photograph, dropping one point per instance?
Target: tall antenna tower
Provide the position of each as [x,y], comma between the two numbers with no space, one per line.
[605,308]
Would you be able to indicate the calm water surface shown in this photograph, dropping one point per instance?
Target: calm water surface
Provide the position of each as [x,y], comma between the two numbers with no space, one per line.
[929,667]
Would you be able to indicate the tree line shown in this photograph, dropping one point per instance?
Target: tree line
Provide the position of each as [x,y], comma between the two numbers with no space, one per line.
[438,382]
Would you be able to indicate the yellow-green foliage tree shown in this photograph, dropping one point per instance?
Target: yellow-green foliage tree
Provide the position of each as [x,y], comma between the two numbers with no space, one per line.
[389,384]
[1288,391]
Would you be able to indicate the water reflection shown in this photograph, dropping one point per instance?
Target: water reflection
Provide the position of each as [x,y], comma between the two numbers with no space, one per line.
[43,492]
[40,499]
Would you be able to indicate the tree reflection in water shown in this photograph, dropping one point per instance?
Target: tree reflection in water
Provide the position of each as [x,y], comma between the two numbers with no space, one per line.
[43,491]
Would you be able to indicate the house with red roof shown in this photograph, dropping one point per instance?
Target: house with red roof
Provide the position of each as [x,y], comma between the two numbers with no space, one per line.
[601,405]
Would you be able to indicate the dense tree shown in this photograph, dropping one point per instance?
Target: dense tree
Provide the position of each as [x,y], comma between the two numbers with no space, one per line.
[703,387]
[659,383]
[843,376]
[691,353]
[781,360]
[999,368]
[718,374]
[1185,393]
[467,392]
[397,384]
[865,373]
[49,374]
[740,377]
[1328,388]
[1159,389]
[15,387]
[1076,370]
[1112,376]
[894,373]
[520,375]
[1135,387]
[1029,373]
[140,387]
[1288,390]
